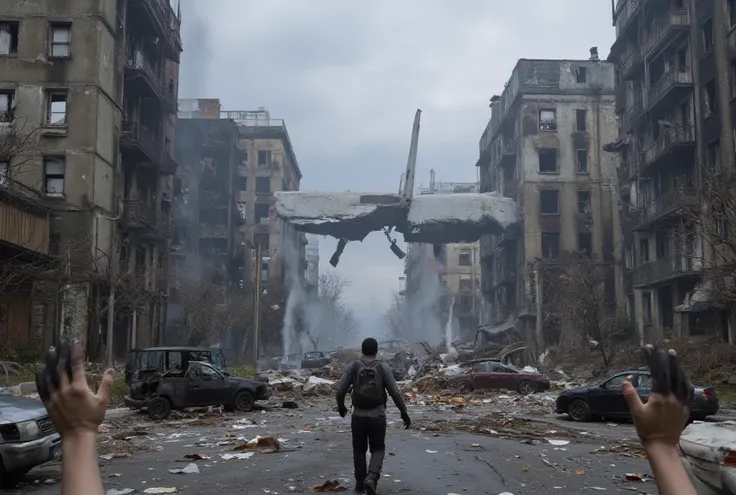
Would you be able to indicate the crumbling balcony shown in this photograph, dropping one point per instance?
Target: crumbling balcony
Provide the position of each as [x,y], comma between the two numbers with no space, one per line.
[163,20]
[24,218]
[632,114]
[665,270]
[672,25]
[139,141]
[138,214]
[670,87]
[631,62]
[666,207]
[672,140]
[626,10]
[141,71]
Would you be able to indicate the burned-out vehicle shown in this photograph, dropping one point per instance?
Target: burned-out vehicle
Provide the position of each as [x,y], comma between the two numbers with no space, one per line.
[400,364]
[492,374]
[153,360]
[27,437]
[201,385]
[314,359]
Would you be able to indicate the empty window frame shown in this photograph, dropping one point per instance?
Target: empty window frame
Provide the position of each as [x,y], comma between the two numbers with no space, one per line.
[264,158]
[9,37]
[581,161]
[463,258]
[60,39]
[644,251]
[262,212]
[714,157]
[56,108]
[550,245]
[581,124]
[242,183]
[548,120]
[53,176]
[263,185]
[706,34]
[465,283]
[581,75]
[710,97]
[245,159]
[584,202]
[549,202]
[548,161]
[585,243]
[6,106]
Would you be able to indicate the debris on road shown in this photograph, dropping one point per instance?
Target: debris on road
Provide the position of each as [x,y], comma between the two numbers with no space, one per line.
[160,490]
[329,487]
[190,468]
[124,491]
[265,445]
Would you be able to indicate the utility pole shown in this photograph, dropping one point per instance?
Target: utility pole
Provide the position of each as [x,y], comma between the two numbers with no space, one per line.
[113,271]
[257,306]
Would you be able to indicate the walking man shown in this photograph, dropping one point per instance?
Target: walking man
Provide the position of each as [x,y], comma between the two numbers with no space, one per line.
[370,379]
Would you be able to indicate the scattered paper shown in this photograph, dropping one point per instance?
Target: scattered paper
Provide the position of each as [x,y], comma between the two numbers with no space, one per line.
[124,491]
[556,442]
[245,455]
[190,468]
[158,490]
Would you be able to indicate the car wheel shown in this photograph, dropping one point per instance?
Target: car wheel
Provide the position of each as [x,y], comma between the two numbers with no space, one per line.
[579,410]
[244,401]
[159,408]
[526,388]
[465,387]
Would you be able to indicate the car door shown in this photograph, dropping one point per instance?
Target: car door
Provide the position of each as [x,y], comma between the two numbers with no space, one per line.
[482,376]
[506,377]
[609,396]
[197,382]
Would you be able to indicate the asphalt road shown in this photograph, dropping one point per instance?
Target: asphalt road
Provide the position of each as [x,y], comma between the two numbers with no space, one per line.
[418,462]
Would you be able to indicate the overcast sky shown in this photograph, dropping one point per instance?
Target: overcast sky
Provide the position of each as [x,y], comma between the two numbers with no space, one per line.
[347,76]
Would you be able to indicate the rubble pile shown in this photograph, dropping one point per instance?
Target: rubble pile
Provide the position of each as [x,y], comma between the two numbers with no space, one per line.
[304,383]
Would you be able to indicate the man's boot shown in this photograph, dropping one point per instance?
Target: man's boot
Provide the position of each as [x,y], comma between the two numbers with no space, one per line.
[359,487]
[371,483]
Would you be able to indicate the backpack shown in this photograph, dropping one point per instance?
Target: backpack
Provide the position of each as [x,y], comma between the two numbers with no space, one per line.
[368,390]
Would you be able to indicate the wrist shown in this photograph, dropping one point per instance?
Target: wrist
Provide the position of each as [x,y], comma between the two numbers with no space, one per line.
[659,450]
[78,438]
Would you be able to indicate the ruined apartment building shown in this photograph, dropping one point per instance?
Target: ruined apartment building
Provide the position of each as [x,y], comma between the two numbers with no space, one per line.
[675,63]
[94,85]
[542,147]
[269,164]
[457,267]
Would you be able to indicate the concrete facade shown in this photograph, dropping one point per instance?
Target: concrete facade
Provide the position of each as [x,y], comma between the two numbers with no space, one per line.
[77,73]
[543,147]
[675,62]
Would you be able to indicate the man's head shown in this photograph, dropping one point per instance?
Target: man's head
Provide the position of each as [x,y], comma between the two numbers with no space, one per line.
[369,347]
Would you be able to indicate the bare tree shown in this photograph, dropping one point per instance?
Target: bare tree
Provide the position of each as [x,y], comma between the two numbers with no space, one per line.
[396,317]
[576,302]
[18,141]
[333,321]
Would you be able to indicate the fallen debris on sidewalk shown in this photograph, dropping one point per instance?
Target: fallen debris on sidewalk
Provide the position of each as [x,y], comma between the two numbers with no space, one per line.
[329,486]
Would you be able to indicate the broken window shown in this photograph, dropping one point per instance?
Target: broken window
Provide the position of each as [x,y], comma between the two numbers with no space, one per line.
[245,159]
[6,106]
[9,37]
[242,183]
[548,161]
[580,120]
[548,120]
[706,32]
[584,202]
[264,158]
[731,12]
[647,303]
[263,185]
[550,245]
[585,243]
[262,212]
[263,240]
[582,161]
[463,258]
[53,176]
[264,272]
[549,202]
[582,75]
[466,302]
[661,245]
[56,112]
[644,251]
[710,97]
[714,157]
[60,40]
[4,172]
[466,283]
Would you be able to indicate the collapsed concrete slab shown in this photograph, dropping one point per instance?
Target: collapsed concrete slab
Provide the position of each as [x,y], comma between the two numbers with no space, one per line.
[437,218]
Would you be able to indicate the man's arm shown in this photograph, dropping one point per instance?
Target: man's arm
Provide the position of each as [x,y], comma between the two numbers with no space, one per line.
[392,388]
[345,381]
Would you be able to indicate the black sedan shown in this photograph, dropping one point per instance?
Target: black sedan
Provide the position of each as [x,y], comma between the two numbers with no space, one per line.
[606,400]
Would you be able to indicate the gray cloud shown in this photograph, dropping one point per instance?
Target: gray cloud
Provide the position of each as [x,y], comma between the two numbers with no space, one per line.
[348,76]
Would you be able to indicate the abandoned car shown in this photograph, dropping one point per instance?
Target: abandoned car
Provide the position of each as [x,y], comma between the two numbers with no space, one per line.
[27,437]
[162,359]
[203,384]
[606,400]
[314,359]
[709,454]
[495,375]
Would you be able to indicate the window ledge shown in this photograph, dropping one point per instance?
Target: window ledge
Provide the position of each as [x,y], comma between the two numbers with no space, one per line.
[582,173]
[550,214]
[58,131]
[53,196]
[59,57]
[549,173]
[9,55]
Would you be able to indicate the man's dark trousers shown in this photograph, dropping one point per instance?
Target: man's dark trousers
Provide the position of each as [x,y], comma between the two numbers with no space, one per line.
[368,431]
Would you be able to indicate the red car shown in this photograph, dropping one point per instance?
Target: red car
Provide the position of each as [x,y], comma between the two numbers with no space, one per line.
[495,375]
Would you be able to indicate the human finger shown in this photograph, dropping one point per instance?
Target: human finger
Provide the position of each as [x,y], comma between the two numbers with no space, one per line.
[52,375]
[77,364]
[103,392]
[632,398]
[64,381]
[681,386]
[660,369]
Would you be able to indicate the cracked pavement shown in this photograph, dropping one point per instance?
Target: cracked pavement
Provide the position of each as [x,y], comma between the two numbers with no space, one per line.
[451,458]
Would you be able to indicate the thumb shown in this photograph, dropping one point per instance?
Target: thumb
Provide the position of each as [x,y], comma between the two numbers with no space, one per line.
[103,393]
[632,398]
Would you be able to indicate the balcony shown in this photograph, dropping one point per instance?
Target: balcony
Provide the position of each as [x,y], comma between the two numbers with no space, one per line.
[670,86]
[164,20]
[664,270]
[665,206]
[138,140]
[137,214]
[631,61]
[673,139]
[24,219]
[626,14]
[631,115]
[138,69]
[676,22]
[212,230]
